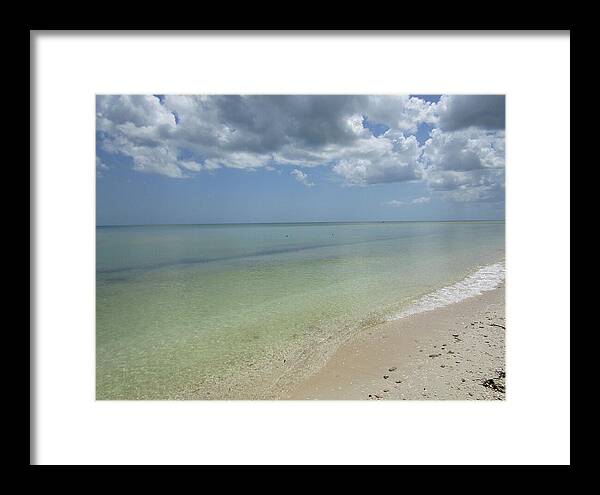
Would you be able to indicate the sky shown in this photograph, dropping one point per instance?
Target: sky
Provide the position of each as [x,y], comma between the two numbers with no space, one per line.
[170,159]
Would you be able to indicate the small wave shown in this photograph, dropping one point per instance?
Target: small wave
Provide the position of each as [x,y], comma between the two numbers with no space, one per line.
[485,279]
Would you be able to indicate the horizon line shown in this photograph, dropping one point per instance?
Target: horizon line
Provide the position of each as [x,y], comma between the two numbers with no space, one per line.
[298,222]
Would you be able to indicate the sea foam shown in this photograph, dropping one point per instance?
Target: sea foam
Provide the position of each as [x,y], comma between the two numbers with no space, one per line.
[484,279]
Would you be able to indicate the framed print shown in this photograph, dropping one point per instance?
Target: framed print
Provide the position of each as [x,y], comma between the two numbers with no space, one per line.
[300,248]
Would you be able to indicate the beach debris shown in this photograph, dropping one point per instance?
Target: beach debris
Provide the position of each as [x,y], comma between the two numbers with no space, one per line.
[493,384]
[454,335]
[463,380]
[398,381]
[385,390]
[496,383]
[434,355]
[385,377]
[496,325]
[393,368]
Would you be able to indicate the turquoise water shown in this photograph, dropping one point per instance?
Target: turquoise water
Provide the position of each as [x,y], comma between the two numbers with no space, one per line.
[243,311]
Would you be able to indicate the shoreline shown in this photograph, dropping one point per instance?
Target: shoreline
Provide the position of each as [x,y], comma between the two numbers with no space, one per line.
[351,363]
[455,352]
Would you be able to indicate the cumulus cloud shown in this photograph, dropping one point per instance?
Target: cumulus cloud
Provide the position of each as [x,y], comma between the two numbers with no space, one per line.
[301,177]
[400,112]
[464,150]
[250,132]
[465,165]
[181,136]
[392,157]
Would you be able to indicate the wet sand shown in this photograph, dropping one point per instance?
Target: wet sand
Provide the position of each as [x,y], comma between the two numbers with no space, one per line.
[451,353]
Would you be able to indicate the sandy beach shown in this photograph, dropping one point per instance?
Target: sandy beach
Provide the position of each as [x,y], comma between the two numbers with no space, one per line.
[451,353]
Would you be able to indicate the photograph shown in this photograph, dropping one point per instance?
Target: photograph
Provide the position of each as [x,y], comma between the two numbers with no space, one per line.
[300,247]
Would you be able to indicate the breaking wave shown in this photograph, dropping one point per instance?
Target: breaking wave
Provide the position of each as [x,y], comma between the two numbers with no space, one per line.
[484,279]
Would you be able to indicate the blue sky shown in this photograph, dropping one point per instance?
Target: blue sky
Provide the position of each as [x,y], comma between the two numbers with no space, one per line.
[198,159]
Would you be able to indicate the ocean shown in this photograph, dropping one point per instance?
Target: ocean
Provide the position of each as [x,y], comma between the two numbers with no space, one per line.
[245,311]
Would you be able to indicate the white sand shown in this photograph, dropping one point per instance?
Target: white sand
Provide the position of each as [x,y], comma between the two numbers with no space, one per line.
[446,353]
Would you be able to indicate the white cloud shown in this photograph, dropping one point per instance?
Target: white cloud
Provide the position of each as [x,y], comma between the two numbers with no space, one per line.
[388,158]
[138,110]
[190,165]
[402,112]
[301,177]
[250,132]
[397,203]
[182,136]
[466,165]
[464,150]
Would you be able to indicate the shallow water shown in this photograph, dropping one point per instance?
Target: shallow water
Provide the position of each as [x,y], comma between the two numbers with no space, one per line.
[238,311]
